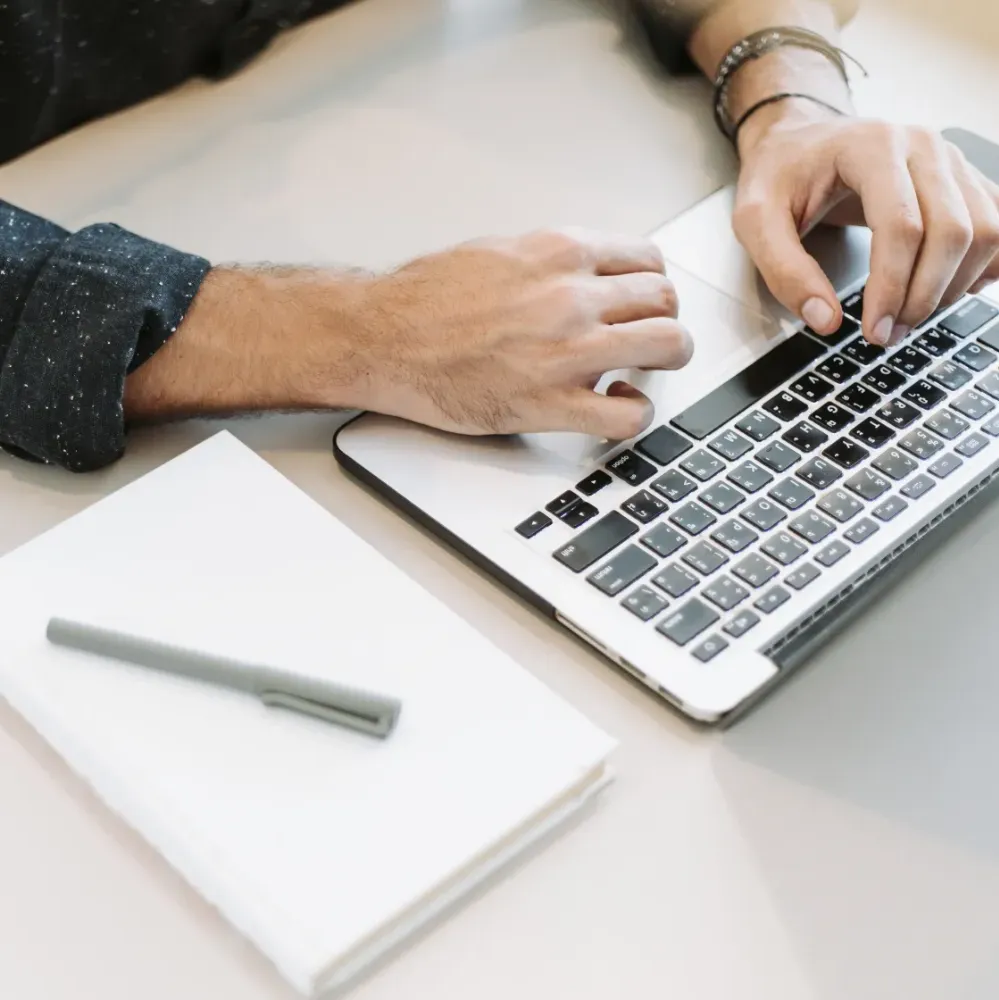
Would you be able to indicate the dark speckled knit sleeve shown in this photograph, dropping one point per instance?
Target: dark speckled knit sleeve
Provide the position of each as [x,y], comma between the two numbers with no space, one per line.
[78,312]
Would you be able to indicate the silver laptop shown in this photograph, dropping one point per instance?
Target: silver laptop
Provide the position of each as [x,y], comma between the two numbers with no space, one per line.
[784,478]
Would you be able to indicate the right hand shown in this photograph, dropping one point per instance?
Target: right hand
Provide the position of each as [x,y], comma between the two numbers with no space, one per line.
[505,336]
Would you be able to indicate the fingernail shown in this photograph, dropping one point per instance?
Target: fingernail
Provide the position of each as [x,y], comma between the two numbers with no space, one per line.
[819,315]
[881,334]
[899,332]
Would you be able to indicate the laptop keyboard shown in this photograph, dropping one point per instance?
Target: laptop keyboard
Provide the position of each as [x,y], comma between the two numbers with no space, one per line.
[751,493]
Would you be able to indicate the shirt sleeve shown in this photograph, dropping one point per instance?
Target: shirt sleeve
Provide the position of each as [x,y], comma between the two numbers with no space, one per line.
[78,312]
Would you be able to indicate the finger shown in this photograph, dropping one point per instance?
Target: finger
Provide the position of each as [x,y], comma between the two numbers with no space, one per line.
[614,253]
[660,343]
[983,206]
[623,413]
[623,298]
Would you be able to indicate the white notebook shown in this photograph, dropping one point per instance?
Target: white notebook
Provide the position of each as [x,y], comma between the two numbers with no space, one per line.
[324,847]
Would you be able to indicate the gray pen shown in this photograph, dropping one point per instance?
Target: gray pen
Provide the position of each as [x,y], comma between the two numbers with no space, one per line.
[369,713]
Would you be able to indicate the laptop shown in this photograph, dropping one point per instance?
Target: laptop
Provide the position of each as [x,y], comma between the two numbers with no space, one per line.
[785,478]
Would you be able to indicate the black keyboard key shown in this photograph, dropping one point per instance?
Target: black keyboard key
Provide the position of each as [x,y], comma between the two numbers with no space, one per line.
[709,649]
[973,404]
[749,386]
[818,473]
[918,486]
[705,558]
[992,427]
[832,417]
[838,369]
[623,569]
[750,476]
[935,342]
[920,443]
[848,328]
[644,603]
[924,395]
[975,357]
[968,318]
[702,465]
[742,623]
[840,505]
[972,445]
[947,424]
[898,413]
[873,433]
[593,483]
[758,425]
[861,531]
[791,494]
[812,387]
[725,593]
[755,570]
[674,485]
[734,535]
[812,527]
[889,508]
[632,469]
[721,497]
[534,524]
[644,506]
[894,463]
[863,353]
[853,305]
[989,385]
[687,622]
[805,437]
[783,548]
[578,514]
[945,465]
[560,503]
[784,406]
[846,453]
[730,445]
[832,553]
[693,518]
[868,484]
[859,398]
[950,375]
[802,576]
[772,600]
[777,456]
[763,514]
[909,361]
[596,541]
[663,445]
[663,540]
[884,379]
[676,580]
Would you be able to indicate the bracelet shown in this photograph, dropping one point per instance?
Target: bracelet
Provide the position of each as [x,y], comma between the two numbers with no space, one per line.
[774,99]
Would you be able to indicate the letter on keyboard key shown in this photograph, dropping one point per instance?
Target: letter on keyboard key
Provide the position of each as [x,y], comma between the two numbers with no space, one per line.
[674,485]
[758,425]
[840,505]
[644,507]
[812,527]
[832,553]
[742,623]
[755,570]
[663,540]
[702,465]
[676,580]
[596,541]
[861,531]
[693,518]
[867,484]
[772,600]
[784,548]
[947,424]
[989,385]
[889,508]
[734,535]
[777,456]
[791,494]
[725,593]
[763,514]
[920,443]
[802,576]
[975,357]
[705,558]
[973,404]
[687,622]
[623,569]
[945,465]
[819,473]
[894,464]
[730,445]
[949,375]
[644,603]
[750,476]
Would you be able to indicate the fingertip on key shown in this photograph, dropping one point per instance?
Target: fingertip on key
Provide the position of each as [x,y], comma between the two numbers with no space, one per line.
[819,315]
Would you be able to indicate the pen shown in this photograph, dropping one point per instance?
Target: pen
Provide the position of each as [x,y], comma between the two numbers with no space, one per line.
[363,711]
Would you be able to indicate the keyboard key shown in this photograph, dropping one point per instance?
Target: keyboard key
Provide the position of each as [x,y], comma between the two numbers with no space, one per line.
[560,503]
[975,357]
[945,465]
[705,558]
[812,387]
[859,398]
[676,580]
[802,576]
[861,531]
[846,453]
[973,404]
[722,497]
[918,486]
[693,518]
[534,524]
[848,328]
[734,535]
[749,386]
[784,406]
[632,469]
[673,485]
[725,593]
[853,305]
[812,527]
[989,385]
[644,506]
[663,445]
[868,484]
[838,369]
[818,473]
[755,570]
[992,427]
[596,541]
[702,465]
[777,456]
[644,603]
[772,600]
[623,569]
[687,622]
[805,437]
[972,445]
[791,494]
[578,513]
[840,505]
[863,353]
[947,424]
[968,318]
[889,508]
[898,413]
[924,395]
[935,342]
[873,433]
[950,375]
[909,361]
[742,623]
[750,476]
[884,379]
[763,514]
[730,445]
[663,540]
[593,483]
[894,464]
[709,649]
[920,443]
[832,417]
[783,548]
[758,425]
[832,553]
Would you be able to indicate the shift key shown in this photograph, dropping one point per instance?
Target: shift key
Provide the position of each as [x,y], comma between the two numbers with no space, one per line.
[596,541]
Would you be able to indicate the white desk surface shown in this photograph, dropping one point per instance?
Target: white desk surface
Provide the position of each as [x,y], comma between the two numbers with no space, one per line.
[841,844]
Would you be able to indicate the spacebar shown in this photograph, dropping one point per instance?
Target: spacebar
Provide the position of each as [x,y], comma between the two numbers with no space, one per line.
[749,386]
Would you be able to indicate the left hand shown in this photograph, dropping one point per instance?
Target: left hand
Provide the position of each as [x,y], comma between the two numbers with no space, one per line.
[934,217]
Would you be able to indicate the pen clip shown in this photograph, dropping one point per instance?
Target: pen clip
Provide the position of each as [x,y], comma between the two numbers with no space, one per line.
[374,724]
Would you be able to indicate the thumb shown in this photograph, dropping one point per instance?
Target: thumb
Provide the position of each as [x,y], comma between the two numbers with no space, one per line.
[623,413]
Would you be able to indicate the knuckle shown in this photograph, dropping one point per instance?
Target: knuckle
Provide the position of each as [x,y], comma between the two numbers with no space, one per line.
[987,234]
[956,234]
[908,228]
[562,247]
[566,302]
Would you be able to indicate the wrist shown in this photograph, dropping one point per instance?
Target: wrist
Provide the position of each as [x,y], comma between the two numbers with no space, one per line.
[786,115]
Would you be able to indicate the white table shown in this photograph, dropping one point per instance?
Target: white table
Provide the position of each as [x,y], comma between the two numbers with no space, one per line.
[841,844]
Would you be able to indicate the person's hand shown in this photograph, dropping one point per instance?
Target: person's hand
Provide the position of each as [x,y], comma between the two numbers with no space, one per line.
[934,217]
[512,335]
